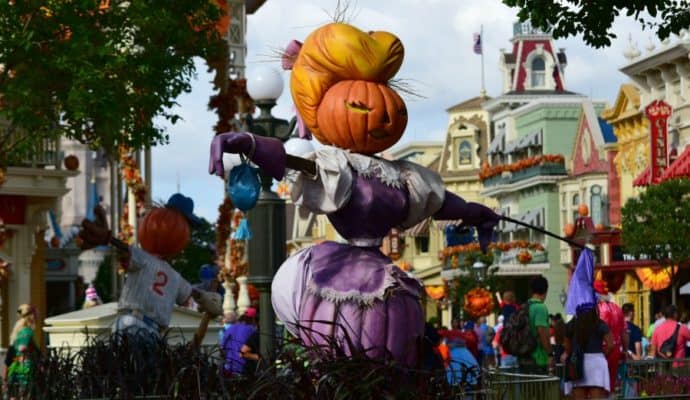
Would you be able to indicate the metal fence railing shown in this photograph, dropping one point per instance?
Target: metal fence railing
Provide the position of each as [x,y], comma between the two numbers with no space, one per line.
[654,379]
[513,386]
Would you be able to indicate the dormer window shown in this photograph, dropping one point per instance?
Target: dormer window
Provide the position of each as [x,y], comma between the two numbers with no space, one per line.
[538,72]
[465,153]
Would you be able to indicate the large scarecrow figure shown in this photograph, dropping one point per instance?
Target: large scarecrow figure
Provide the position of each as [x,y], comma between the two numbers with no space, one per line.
[152,287]
[351,291]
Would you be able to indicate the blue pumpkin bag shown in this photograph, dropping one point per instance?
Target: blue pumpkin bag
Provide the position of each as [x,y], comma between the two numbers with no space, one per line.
[244,187]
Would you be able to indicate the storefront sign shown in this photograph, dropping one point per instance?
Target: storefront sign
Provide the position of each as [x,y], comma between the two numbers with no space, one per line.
[12,209]
[658,113]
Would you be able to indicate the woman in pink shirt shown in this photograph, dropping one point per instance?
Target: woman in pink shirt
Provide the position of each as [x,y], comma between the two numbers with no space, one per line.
[664,332]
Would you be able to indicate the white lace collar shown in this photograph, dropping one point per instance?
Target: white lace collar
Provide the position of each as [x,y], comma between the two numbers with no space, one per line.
[366,166]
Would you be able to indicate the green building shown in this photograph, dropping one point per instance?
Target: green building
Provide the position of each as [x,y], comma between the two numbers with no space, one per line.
[533,128]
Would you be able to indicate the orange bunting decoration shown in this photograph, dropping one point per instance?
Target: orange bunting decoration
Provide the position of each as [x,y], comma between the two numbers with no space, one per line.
[499,246]
[655,279]
[488,171]
[436,292]
[478,302]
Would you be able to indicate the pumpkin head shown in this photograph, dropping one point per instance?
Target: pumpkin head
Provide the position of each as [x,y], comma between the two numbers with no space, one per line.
[569,230]
[164,232]
[364,117]
[340,52]
[583,210]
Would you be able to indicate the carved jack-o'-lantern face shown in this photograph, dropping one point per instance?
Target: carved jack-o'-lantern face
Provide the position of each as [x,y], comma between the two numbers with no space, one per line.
[364,117]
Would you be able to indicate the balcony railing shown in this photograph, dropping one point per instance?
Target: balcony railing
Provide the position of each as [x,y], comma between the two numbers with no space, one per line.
[45,153]
[536,170]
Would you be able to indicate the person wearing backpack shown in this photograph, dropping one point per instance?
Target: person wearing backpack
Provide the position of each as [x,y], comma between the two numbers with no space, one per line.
[668,339]
[526,333]
[541,358]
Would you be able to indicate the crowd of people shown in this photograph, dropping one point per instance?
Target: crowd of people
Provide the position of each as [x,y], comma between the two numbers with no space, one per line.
[603,333]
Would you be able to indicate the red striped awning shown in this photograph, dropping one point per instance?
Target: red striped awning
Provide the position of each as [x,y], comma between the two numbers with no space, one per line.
[644,178]
[680,167]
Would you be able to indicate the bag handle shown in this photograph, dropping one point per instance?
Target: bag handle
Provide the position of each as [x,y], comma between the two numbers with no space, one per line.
[252,149]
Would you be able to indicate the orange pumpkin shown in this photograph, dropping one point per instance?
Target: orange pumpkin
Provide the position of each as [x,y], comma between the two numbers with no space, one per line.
[71,162]
[569,230]
[599,227]
[583,210]
[363,117]
[164,232]
[478,302]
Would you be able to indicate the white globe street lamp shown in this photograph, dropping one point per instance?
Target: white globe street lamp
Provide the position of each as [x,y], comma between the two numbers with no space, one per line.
[264,83]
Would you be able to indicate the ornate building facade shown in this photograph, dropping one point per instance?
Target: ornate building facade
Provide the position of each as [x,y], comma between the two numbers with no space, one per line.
[534,123]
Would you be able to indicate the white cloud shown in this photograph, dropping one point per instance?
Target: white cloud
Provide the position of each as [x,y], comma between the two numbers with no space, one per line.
[439,63]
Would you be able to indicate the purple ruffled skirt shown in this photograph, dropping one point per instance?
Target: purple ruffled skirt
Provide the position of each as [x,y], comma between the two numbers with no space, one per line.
[354,296]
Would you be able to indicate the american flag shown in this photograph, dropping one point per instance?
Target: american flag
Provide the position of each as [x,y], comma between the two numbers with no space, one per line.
[477,48]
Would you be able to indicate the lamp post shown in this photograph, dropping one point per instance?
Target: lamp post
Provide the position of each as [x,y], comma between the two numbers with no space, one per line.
[479,270]
[267,248]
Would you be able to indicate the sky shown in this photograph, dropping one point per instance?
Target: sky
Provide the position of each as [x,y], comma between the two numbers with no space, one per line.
[439,64]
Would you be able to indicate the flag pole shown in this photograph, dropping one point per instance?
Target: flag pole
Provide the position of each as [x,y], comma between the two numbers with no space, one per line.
[482,93]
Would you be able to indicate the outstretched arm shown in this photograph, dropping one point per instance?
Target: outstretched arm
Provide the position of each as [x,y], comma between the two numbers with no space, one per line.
[267,153]
[474,214]
[96,233]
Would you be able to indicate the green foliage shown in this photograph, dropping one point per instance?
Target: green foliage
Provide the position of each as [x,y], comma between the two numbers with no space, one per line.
[593,19]
[104,280]
[197,252]
[657,224]
[98,76]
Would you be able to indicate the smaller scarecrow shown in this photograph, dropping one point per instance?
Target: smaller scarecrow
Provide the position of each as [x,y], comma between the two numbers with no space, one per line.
[152,287]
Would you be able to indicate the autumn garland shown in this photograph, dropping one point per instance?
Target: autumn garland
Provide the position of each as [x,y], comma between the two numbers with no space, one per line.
[488,171]
[228,219]
[132,177]
[499,246]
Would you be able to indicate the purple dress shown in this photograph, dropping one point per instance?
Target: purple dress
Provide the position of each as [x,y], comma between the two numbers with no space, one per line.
[351,291]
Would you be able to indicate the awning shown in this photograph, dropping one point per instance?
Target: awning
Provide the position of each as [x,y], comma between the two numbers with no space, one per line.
[443,224]
[512,146]
[496,145]
[531,140]
[644,178]
[680,167]
[533,217]
[421,229]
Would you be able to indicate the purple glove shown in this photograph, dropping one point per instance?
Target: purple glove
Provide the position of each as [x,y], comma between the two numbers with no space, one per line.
[269,153]
[482,217]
